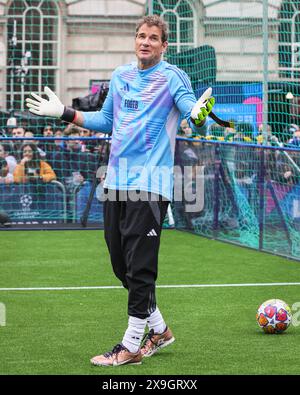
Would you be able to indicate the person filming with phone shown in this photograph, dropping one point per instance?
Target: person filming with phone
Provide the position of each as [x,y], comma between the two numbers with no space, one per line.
[31,168]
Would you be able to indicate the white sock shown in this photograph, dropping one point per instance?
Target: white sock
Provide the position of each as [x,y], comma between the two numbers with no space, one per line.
[156,322]
[134,333]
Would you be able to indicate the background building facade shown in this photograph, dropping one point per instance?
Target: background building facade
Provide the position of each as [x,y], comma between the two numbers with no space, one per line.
[67,43]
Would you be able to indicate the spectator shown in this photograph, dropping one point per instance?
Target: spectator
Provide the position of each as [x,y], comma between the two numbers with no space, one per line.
[185,129]
[216,130]
[5,154]
[279,165]
[295,140]
[86,145]
[101,147]
[48,146]
[48,131]
[289,130]
[244,130]
[260,137]
[3,168]
[283,171]
[3,174]
[18,132]
[245,158]
[72,166]
[58,143]
[29,134]
[294,156]
[229,133]
[31,168]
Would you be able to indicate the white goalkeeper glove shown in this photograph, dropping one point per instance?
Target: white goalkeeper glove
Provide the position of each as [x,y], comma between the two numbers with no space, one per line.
[49,108]
[203,107]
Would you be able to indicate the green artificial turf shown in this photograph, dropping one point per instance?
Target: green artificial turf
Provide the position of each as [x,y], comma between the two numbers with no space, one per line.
[57,331]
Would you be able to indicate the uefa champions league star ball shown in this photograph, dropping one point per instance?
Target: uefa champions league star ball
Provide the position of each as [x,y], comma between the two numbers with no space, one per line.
[274,316]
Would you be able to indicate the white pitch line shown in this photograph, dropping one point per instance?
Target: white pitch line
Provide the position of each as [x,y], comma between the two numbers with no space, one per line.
[158,286]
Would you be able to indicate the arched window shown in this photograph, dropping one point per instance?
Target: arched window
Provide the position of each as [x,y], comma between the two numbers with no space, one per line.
[32,55]
[180,15]
[289,39]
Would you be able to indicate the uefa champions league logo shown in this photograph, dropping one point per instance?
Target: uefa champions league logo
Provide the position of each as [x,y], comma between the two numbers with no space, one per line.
[26,202]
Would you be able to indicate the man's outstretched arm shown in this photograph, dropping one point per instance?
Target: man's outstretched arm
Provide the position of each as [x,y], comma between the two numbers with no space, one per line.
[96,120]
[53,107]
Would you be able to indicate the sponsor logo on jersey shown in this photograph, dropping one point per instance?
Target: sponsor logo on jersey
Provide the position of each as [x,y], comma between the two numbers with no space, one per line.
[131,104]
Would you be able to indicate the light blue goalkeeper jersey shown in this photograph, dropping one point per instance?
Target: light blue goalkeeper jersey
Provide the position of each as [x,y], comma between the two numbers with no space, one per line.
[143,110]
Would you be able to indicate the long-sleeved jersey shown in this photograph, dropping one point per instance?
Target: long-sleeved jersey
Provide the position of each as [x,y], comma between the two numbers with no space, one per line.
[143,109]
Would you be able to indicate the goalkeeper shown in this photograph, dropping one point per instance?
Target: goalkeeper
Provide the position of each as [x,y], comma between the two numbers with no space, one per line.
[143,108]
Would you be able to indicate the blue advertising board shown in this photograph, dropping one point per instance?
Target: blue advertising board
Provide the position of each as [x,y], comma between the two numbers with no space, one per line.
[240,113]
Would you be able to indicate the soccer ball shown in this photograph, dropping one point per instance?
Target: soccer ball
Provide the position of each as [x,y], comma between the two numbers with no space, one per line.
[274,316]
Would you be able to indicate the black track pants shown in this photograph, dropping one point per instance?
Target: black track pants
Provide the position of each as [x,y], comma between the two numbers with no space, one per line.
[132,233]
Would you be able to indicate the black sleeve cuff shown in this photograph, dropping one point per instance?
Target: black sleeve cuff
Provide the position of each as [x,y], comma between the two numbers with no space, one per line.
[68,114]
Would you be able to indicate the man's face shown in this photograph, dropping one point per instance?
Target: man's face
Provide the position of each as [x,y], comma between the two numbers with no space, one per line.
[29,134]
[73,144]
[58,133]
[48,131]
[85,133]
[18,132]
[149,46]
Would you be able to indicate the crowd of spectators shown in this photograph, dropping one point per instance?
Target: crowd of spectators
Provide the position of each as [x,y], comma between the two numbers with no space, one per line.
[281,166]
[70,156]
[68,159]
[244,132]
[73,161]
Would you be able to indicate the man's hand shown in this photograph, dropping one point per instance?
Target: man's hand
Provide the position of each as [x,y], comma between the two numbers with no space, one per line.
[49,108]
[202,108]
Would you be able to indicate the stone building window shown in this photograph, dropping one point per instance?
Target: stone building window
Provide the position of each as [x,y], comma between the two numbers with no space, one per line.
[289,39]
[180,15]
[32,49]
